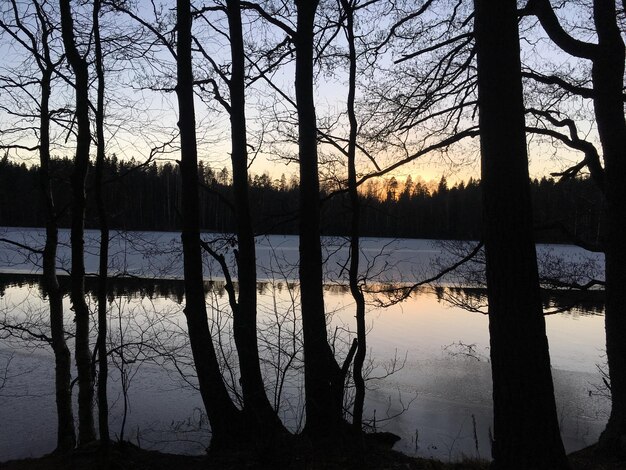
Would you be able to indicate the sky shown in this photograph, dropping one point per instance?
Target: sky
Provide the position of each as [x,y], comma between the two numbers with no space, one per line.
[141,119]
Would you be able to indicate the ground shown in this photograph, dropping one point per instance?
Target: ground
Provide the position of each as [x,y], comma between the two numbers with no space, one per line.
[129,457]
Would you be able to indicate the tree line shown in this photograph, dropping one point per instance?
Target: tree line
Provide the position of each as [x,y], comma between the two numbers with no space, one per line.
[147,197]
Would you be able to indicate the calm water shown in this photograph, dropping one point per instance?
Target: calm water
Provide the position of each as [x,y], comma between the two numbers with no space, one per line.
[428,367]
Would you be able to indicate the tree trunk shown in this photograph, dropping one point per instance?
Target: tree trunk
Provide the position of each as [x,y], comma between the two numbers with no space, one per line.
[103,271]
[526,427]
[86,432]
[257,407]
[355,289]
[66,435]
[607,73]
[608,76]
[40,49]
[226,424]
[323,413]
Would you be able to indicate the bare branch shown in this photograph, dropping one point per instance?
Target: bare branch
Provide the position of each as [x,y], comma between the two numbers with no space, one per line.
[592,157]
[545,13]
[565,85]
[269,17]
[20,245]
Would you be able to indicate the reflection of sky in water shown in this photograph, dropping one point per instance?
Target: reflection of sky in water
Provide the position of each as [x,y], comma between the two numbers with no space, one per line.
[445,390]
[451,387]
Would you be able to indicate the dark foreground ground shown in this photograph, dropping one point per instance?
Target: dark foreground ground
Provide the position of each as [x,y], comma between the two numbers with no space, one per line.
[129,457]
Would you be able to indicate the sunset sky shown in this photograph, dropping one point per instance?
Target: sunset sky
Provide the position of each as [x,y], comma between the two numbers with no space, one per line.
[142,112]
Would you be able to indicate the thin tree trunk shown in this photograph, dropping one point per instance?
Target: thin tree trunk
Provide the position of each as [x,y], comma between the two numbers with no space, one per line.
[103,370]
[526,427]
[226,423]
[323,406]
[355,289]
[86,432]
[256,405]
[66,435]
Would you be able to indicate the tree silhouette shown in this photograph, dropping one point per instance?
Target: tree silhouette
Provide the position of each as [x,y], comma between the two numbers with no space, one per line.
[321,371]
[86,431]
[37,43]
[225,419]
[526,431]
[607,59]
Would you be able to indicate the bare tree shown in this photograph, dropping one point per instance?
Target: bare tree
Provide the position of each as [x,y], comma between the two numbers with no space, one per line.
[348,9]
[37,42]
[243,300]
[607,58]
[225,418]
[256,405]
[323,389]
[103,406]
[86,431]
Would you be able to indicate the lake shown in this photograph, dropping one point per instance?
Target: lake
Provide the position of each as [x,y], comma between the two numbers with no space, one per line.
[429,372]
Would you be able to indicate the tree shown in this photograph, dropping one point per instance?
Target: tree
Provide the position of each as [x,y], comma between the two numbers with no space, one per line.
[321,371]
[257,409]
[225,418]
[348,9]
[86,432]
[324,378]
[607,78]
[37,42]
[526,430]
[256,404]
[103,406]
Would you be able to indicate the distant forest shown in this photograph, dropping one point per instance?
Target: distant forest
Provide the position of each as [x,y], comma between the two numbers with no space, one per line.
[147,197]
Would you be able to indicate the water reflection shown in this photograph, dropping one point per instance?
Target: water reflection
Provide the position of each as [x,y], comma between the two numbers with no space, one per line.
[577,302]
[581,302]
[438,395]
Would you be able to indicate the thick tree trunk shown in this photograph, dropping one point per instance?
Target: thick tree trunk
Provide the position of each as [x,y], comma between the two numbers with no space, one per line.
[86,432]
[613,439]
[323,413]
[103,271]
[257,407]
[608,76]
[526,428]
[226,423]
[607,73]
